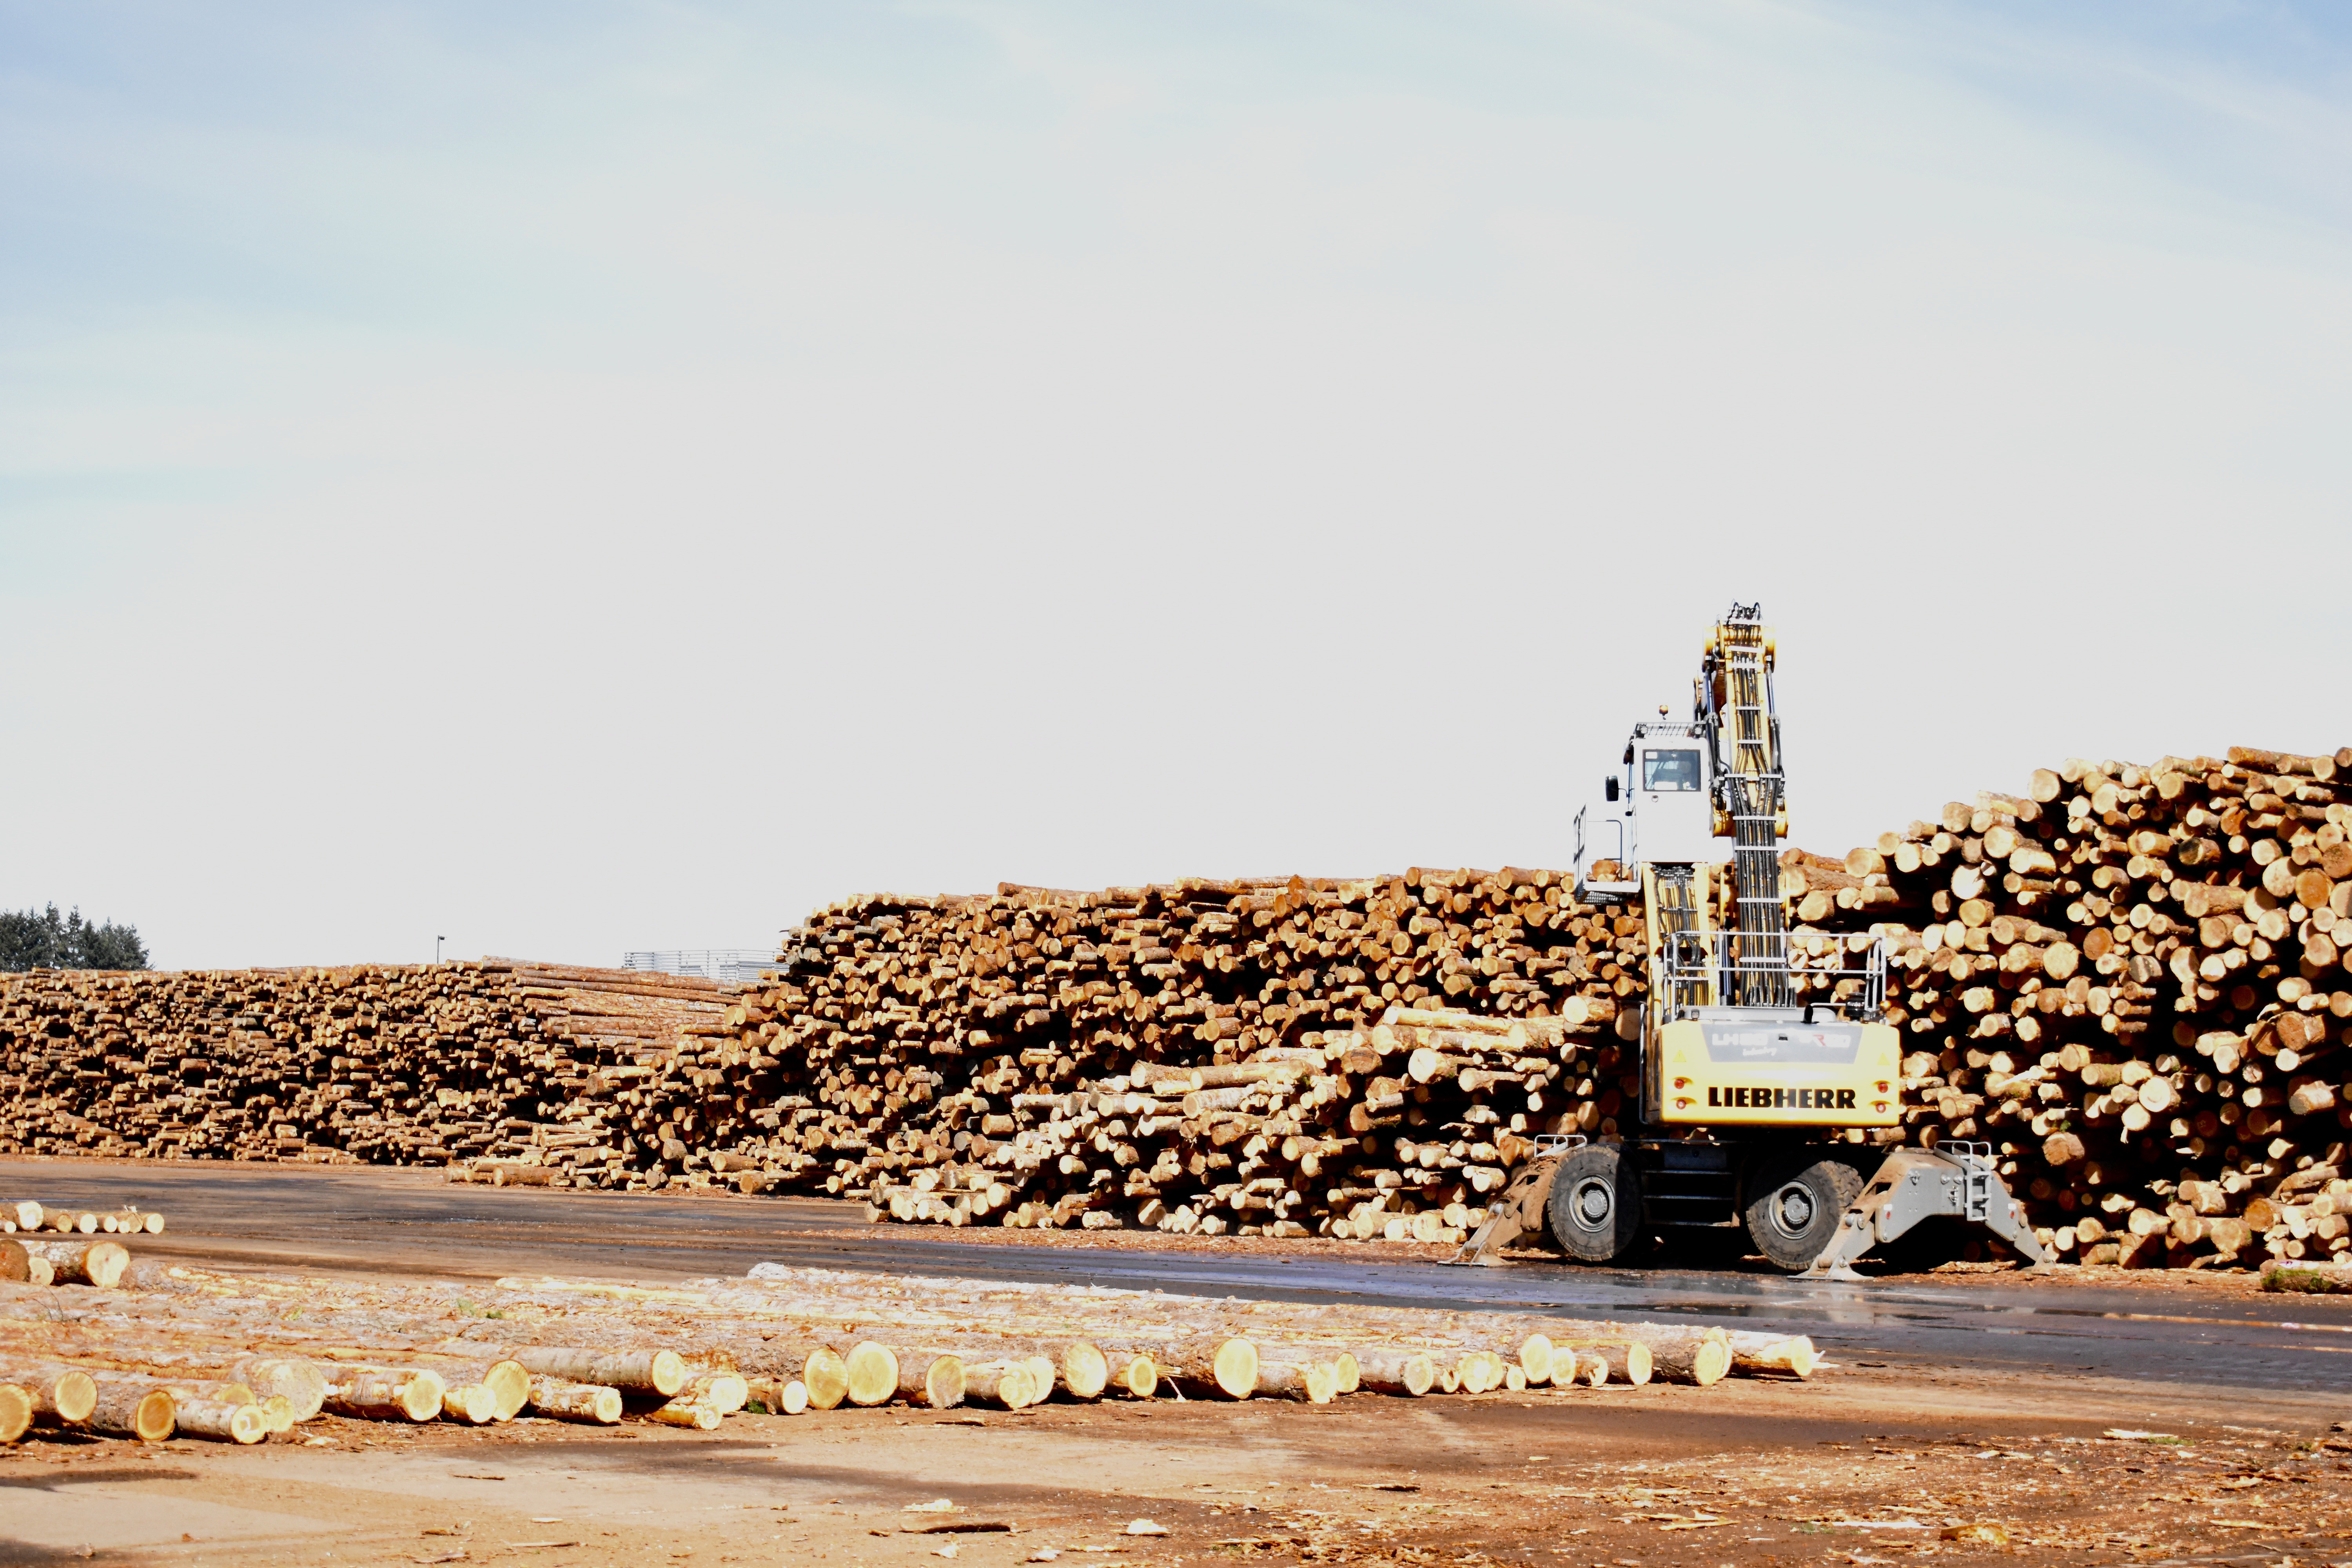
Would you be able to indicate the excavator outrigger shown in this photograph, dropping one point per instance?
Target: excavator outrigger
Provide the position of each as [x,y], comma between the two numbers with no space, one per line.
[1751,1064]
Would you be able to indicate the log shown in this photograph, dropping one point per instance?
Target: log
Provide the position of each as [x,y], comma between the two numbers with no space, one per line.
[661,1373]
[1409,1372]
[871,1374]
[932,1379]
[724,1392]
[599,1405]
[1211,1366]
[16,1264]
[1007,1384]
[1756,1354]
[61,1396]
[220,1420]
[131,1407]
[300,1382]
[385,1393]
[1481,1372]
[1131,1375]
[686,1413]
[473,1404]
[508,1380]
[817,1367]
[1700,1356]
[16,1412]
[97,1263]
[1313,1382]
[1079,1367]
[777,1395]
[1630,1360]
[2145,848]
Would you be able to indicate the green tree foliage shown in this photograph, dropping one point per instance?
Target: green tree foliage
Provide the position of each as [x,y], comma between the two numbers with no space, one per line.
[47,940]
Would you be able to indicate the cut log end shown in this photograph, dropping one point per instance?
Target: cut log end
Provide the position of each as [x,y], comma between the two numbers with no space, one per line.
[474,1403]
[1084,1371]
[824,1379]
[16,1412]
[870,1374]
[509,1386]
[1137,1377]
[302,1382]
[1235,1369]
[133,1410]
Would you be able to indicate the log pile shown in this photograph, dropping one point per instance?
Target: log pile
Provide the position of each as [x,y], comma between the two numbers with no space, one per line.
[1283,1058]
[190,1352]
[385,1065]
[2133,982]
[2128,978]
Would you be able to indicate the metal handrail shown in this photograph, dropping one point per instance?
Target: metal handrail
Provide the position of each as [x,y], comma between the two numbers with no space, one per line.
[1714,964]
[731,965]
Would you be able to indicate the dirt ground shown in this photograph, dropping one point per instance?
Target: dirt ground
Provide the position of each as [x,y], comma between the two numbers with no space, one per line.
[1854,1467]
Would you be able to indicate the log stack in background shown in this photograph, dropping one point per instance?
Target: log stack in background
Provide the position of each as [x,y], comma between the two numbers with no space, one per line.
[382,1064]
[1204,1056]
[2128,979]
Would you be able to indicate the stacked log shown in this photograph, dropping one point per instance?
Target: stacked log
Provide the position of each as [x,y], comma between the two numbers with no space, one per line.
[381,1064]
[1210,1057]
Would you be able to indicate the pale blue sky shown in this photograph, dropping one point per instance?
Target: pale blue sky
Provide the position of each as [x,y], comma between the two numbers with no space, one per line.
[589,476]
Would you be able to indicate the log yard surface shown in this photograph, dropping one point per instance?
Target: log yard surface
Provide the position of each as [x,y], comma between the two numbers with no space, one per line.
[1968,1414]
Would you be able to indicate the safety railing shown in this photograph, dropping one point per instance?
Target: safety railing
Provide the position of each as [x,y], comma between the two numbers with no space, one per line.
[732,965]
[1794,969]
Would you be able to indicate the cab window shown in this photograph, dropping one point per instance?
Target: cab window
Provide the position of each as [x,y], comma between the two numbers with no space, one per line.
[1669,770]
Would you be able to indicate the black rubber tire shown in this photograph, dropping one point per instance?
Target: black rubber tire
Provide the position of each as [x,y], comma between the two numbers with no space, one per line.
[1595,1206]
[1793,1204]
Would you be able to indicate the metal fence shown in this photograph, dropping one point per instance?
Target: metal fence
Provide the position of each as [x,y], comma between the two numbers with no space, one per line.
[734,965]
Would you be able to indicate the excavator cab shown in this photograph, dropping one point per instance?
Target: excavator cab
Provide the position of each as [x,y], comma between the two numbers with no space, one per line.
[1659,808]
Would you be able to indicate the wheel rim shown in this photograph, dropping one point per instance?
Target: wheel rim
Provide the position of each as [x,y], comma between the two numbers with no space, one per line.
[1590,1204]
[1792,1209]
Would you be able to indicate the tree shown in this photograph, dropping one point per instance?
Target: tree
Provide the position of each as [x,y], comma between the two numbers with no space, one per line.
[52,941]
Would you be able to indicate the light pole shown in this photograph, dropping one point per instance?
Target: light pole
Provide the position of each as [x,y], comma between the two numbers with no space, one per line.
[437,948]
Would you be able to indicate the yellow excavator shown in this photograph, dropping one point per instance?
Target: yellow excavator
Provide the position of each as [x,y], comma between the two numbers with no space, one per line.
[1753,1061]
